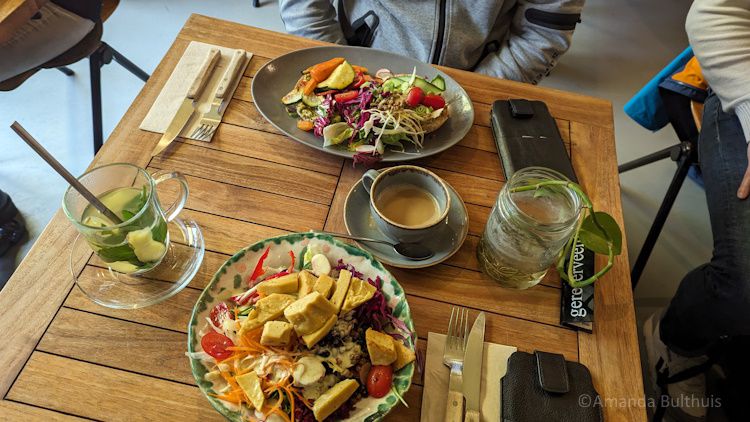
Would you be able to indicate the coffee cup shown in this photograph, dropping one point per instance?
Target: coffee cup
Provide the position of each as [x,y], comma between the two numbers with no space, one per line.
[408,203]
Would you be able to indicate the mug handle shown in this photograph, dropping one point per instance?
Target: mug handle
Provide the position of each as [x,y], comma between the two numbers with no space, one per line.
[174,209]
[369,178]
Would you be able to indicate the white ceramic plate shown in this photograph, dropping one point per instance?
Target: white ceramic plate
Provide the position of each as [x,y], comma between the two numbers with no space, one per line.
[228,281]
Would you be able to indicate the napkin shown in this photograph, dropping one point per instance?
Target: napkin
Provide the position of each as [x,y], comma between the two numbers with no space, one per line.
[176,88]
[494,366]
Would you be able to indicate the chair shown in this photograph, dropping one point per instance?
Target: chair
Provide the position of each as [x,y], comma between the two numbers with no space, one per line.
[666,101]
[99,53]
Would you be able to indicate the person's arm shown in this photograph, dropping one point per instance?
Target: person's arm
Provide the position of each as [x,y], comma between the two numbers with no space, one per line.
[540,32]
[719,32]
[311,19]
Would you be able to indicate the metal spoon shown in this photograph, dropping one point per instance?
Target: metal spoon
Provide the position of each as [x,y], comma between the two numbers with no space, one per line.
[410,250]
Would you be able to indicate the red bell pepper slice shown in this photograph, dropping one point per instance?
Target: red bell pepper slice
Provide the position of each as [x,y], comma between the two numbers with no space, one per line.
[345,96]
[258,271]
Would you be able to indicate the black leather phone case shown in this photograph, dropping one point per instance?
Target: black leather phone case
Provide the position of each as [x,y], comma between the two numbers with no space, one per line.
[545,387]
[526,135]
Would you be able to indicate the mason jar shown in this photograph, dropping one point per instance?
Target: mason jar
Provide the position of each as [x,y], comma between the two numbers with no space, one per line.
[527,230]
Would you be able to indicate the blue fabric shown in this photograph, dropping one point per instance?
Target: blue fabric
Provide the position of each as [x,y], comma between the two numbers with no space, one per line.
[646,107]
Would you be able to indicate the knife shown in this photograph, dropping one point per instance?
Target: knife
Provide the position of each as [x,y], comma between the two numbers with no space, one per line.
[472,375]
[188,104]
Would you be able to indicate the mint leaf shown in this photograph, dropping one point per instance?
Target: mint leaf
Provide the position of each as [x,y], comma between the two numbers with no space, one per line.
[595,239]
[117,253]
[159,232]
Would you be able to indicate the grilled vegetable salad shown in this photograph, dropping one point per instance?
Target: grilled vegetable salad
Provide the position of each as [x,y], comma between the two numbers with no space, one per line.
[303,346]
[365,114]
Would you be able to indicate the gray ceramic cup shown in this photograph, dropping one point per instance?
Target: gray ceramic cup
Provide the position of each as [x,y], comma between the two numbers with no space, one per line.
[377,181]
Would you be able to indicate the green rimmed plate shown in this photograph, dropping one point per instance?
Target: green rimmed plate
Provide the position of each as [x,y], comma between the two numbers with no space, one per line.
[228,281]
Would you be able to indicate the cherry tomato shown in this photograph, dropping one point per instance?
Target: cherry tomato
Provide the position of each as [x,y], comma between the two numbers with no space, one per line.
[415,96]
[434,101]
[216,344]
[379,381]
[220,313]
[345,96]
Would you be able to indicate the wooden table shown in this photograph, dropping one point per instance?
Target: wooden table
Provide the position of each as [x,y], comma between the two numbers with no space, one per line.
[65,357]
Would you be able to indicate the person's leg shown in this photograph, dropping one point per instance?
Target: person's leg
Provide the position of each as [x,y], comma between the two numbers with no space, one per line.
[12,231]
[713,300]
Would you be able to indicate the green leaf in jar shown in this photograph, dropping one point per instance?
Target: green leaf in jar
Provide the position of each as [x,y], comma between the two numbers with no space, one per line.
[597,237]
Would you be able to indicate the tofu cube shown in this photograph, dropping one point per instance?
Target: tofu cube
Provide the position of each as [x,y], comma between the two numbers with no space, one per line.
[284,284]
[380,347]
[342,287]
[359,293]
[276,333]
[332,399]
[404,355]
[306,282]
[250,385]
[266,309]
[313,338]
[324,285]
[309,313]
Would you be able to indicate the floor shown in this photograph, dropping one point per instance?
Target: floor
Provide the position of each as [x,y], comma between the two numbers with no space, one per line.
[616,49]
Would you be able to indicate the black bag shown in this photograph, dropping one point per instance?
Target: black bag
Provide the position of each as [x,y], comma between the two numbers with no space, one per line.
[545,387]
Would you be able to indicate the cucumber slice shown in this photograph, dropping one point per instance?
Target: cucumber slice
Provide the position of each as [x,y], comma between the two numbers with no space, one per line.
[292,97]
[439,82]
[392,84]
[427,87]
[311,100]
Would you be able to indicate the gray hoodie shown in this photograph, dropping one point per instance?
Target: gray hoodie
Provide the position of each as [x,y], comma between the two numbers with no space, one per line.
[513,39]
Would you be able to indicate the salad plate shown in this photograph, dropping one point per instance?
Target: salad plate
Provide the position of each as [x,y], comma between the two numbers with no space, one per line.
[271,93]
[271,262]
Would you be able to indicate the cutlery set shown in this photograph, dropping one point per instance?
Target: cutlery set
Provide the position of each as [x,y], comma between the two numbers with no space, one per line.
[209,120]
[463,355]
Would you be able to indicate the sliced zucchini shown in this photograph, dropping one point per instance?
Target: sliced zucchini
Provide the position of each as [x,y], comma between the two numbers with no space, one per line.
[292,97]
[439,82]
[304,112]
[291,110]
[311,100]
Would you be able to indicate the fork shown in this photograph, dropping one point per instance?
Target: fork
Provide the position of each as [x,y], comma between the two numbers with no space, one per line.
[211,119]
[453,357]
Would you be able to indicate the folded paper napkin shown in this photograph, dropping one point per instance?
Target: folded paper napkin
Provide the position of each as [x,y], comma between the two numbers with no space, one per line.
[436,374]
[176,88]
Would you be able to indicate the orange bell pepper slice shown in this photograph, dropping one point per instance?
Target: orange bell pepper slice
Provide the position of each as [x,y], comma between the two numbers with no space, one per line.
[359,69]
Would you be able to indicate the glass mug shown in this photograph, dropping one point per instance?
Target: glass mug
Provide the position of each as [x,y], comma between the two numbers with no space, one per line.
[140,242]
[527,230]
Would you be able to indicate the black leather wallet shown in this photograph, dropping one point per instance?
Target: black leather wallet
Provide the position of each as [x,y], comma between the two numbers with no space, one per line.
[545,387]
[526,135]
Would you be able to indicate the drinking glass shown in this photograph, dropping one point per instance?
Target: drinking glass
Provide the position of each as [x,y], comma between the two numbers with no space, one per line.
[527,230]
[140,242]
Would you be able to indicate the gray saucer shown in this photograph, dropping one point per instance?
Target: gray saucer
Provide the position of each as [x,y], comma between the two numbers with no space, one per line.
[446,241]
